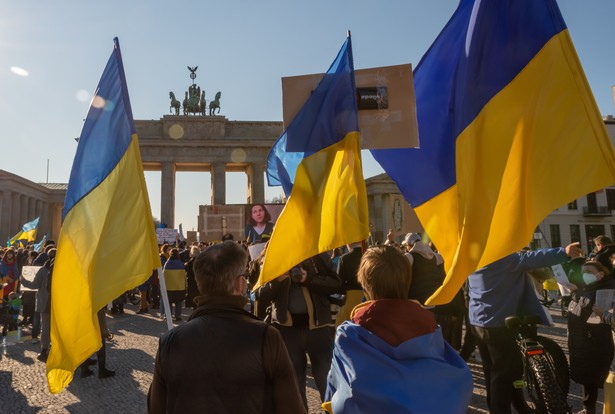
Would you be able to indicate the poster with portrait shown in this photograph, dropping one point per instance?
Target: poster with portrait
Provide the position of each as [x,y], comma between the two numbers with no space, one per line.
[260,220]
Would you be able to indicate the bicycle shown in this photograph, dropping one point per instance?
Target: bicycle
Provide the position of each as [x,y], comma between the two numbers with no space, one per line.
[544,386]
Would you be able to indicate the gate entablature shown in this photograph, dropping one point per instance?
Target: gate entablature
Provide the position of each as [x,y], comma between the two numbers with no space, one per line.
[188,143]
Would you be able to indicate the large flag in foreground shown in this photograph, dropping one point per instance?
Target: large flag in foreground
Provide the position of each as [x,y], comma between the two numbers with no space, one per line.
[107,243]
[317,160]
[27,233]
[509,131]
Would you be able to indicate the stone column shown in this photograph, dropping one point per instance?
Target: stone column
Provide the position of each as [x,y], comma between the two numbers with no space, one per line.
[5,216]
[256,183]
[167,194]
[55,211]
[23,210]
[218,184]
[15,224]
[31,208]
[38,212]
[45,223]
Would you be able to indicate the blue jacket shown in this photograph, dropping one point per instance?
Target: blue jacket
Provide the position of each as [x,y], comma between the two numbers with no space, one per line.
[503,288]
[421,375]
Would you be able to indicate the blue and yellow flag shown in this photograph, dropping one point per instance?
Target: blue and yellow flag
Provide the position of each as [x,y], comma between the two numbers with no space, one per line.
[317,160]
[107,242]
[27,233]
[39,246]
[509,131]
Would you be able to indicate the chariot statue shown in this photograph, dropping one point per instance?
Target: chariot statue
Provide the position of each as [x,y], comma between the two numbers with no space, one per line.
[194,99]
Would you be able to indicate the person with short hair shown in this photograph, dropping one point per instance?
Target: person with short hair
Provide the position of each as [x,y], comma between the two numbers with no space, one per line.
[223,359]
[391,357]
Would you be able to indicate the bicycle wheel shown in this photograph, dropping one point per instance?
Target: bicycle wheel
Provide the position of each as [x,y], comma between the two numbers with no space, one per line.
[542,394]
[558,360]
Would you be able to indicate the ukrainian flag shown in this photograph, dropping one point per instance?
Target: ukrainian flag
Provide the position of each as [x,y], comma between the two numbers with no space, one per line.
[317,160]
[107,242]
[27,233]
[509,131]
[39,246]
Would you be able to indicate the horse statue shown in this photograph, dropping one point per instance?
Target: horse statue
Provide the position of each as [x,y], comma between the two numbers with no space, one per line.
[175,104]
[215,104]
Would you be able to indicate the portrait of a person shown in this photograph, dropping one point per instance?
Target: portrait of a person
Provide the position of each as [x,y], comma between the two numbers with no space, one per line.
[259,226]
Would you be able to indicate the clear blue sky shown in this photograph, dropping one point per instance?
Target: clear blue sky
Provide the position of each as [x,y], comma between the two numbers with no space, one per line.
[242,48]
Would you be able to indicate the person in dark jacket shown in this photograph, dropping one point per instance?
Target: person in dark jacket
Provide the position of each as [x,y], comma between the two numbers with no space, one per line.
[604,250]
[301,308]
[192,289]
[590,344]
[347,270]
[223,360]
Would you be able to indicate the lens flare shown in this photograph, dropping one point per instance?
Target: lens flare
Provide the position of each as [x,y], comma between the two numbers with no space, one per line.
[98,102]
[20,71]
[176,131]
[238,155]
[82,95]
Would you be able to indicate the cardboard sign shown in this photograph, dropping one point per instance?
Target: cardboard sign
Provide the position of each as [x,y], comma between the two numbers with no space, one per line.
[167,235]
[386,102]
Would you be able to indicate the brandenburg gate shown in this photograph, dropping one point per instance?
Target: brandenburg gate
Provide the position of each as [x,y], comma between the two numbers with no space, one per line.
[206,143]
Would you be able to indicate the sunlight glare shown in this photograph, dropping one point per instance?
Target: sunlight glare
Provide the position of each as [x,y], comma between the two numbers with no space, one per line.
[20,71]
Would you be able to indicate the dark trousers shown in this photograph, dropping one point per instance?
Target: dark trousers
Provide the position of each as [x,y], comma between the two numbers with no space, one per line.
[502,366]
[452,328]
[318,344]
[36,325]
[469,343]
[27,315]
[590,396]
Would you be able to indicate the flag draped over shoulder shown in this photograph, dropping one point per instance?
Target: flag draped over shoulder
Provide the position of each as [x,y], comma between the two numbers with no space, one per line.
[107,242]
[27,233]
[317,160]
[508,129]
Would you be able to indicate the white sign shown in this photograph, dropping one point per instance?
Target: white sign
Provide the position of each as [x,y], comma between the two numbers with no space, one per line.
[28,273]
[562,279]
[255,250]
[167,235]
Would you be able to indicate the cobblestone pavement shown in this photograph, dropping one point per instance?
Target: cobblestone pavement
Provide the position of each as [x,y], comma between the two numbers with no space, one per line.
[131,353]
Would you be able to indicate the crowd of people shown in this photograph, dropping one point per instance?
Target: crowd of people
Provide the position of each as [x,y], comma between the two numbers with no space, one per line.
[359,314]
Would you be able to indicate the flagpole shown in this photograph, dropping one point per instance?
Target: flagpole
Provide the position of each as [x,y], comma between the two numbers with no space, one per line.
[165,299]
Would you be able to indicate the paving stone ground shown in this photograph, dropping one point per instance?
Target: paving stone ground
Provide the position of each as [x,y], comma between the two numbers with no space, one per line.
[23,388]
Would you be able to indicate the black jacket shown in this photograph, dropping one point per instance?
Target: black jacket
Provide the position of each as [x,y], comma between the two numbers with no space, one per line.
[223,360]
[590,345]
[321,282]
